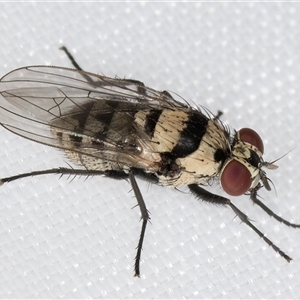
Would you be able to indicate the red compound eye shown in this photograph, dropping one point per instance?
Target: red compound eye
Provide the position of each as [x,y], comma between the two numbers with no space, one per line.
[236,179]
[250,136]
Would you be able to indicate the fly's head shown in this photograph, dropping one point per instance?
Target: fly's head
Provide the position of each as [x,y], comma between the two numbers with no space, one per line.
[243,171]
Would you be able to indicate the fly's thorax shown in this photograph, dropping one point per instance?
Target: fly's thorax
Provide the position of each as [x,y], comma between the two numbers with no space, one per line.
[162,127]
[191,146]
[205,162]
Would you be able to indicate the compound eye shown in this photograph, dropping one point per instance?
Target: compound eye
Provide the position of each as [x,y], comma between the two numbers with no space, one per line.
[250,136]
[236,179]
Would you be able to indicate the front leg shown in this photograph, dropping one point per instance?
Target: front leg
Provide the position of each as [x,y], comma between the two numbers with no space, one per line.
[204,195]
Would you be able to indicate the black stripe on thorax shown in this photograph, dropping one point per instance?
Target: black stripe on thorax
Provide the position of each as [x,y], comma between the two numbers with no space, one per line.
[151,121]
[191,135]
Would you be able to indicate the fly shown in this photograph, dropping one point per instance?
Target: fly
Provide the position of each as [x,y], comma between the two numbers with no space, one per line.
[122,129]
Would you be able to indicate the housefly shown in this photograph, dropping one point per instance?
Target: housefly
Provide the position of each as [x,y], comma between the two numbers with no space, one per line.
[122,129]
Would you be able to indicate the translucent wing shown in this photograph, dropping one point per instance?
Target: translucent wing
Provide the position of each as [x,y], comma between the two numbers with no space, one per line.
[61,107]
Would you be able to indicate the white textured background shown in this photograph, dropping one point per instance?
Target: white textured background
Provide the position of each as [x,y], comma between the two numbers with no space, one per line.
[62,239]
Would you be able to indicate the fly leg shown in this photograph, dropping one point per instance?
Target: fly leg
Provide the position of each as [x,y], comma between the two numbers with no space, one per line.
[61,171]
[140,84]
[219,200]
[76,65]
[116,175]
[71,58]
[144,217]
[253,197]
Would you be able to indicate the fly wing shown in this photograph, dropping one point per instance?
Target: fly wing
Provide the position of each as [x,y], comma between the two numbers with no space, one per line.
[76,110]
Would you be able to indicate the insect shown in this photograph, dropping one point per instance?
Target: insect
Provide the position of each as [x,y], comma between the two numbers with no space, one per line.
[122,129]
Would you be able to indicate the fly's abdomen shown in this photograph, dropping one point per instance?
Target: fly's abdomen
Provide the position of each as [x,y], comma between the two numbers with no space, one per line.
[97,135]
